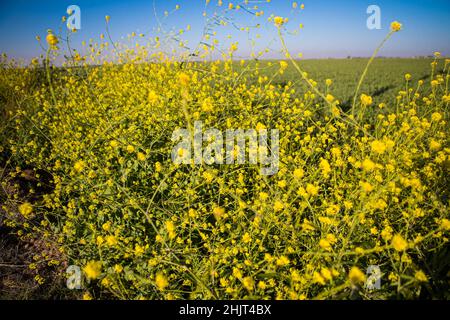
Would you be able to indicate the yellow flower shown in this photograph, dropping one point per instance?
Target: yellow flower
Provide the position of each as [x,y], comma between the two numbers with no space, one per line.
[79,166]
[141,156]
[139,250]
[233,47]
[260,126]
[208,176]
[246,238]
[93,269]
[170,226]
[52,39]
[326,274]
[99,240]
[335,111]
[283,65]
[398,243]
[298,173]
[317,278]
[107,18]
[218,212]
[282,183]
[105,282]
[396,26]
[263,196]
[386,233]
[325,244]
[328,82]
[325,167]
[161,281]
[237,273]
[278,206]
[25,209]
[312,190]
[348,205]
[279,21]
[262,285]
[366,187]
[307,226]
[331,238]
[207,105]
[368,165]
[87,296]
[445,224]
[421,276]
[184,79]
[378,146]
[407,77]
[130,148]
[111,240]
[152,96]
[248,283]
[114,143]
[333,209]
[282,261]
[366,100]
[434,145]
[436,117]
[329,98]
[356,276]
[106,226]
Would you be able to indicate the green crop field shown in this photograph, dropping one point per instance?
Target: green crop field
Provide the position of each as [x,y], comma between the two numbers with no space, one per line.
[383,82]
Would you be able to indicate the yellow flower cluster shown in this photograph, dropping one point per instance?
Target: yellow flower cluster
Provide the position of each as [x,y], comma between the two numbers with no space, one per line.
[349,192]
[279,21]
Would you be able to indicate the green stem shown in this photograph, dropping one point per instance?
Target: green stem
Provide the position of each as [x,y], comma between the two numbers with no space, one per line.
[347,119]
[301,71]
[367,68]
[49,79]
[109,36]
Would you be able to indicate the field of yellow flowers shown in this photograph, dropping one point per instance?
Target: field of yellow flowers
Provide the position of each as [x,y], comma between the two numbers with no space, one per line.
[87,173]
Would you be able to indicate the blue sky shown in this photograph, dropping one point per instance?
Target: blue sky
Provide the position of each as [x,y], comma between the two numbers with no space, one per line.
[331,28]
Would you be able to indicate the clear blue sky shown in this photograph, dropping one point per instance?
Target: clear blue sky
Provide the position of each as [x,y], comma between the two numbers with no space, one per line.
[332,28]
